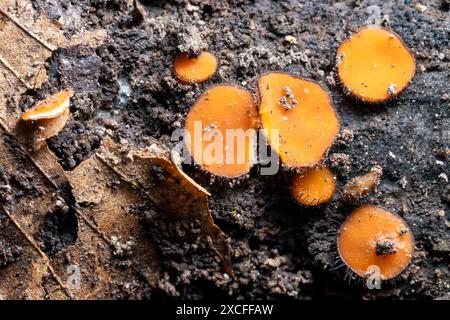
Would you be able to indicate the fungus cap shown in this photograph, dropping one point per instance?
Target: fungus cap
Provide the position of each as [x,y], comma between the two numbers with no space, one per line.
[373,236]
[313,187]
[195,69]
[211,143]
[374,64]
[302,111]
[51,107]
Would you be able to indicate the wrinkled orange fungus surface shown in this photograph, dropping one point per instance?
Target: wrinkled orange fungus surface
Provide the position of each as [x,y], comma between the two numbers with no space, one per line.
[299,117]
[373,236]
[51,107]
[195,69]
[374,64]
[221,131]
[314,187]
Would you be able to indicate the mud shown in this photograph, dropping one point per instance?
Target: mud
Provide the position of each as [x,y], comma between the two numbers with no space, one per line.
[280,249]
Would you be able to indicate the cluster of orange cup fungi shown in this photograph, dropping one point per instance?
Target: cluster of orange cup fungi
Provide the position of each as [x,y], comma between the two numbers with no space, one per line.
[49,116]
[374,65]
[301,110]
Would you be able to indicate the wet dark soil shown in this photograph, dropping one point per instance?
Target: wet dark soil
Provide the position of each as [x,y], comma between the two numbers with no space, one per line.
[279,249]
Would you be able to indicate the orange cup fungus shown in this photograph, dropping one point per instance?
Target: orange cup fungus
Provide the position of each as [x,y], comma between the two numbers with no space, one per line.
[374,64]
[195,69]
[50,107]
[314,187]
[51,115]
[221,130]
[373,236]
[302,111]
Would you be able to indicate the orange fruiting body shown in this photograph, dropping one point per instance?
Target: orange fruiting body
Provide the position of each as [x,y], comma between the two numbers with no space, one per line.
[216,148]
[51,107]
[302,112]
[314,187]
[374,64]
[195,69]
[47,128]
[373,236]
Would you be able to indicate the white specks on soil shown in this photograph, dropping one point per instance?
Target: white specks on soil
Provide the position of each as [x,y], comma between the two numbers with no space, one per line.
[122,248]
[124,90]
[392,89]
[420,7]
[290,40]
[403,182]
[440,213]
[444,177]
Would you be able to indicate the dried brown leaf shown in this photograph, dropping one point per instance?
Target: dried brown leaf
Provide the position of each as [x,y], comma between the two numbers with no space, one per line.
[164,182]
[100,231]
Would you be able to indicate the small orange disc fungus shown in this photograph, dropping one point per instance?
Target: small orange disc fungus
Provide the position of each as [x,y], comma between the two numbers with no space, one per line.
[302,111]
[195,69]
[374,64]
[221,130]
[314,187]
[51,107]
[374,237]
